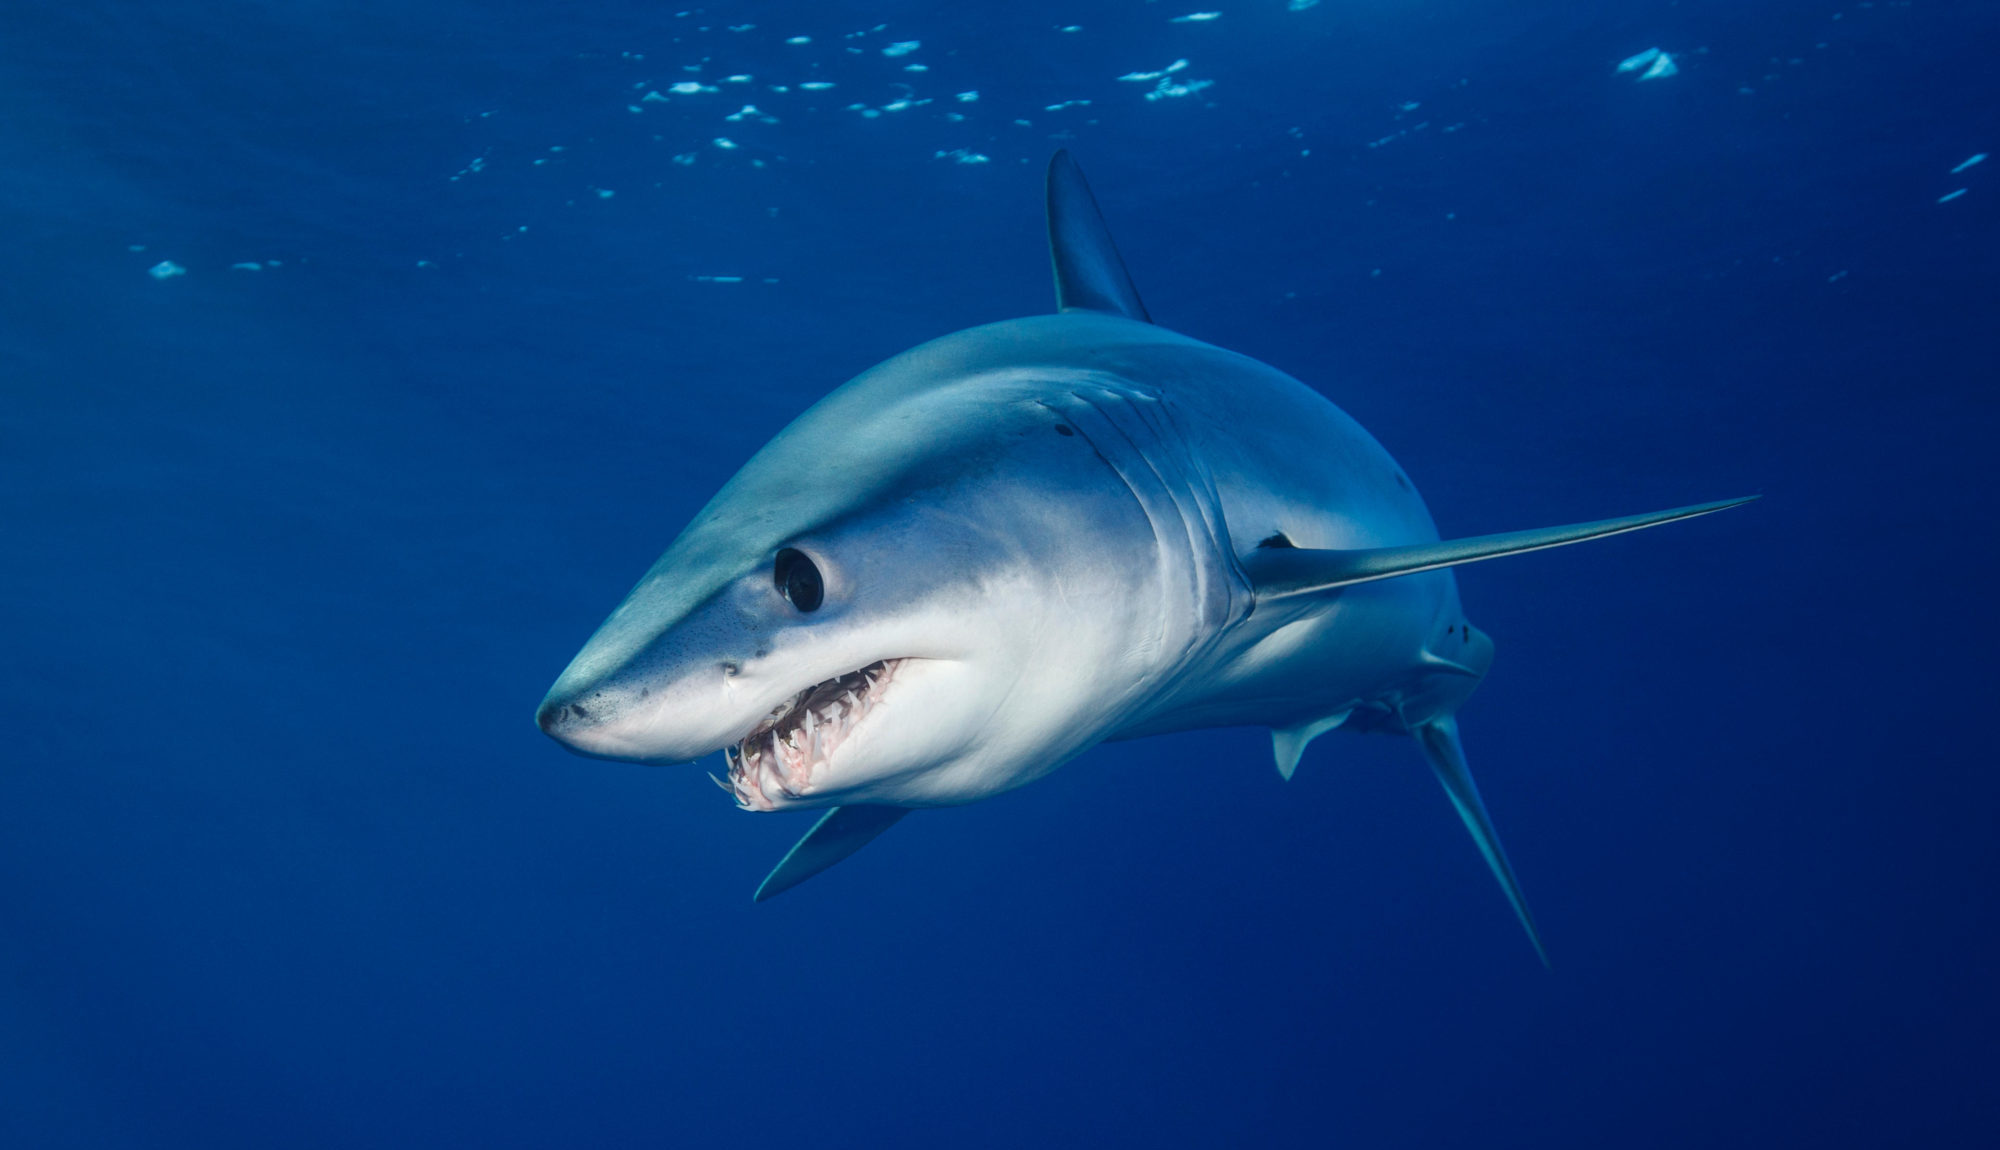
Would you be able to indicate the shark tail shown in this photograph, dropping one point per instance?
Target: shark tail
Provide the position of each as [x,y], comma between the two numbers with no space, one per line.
[1279,573]
[1439,739]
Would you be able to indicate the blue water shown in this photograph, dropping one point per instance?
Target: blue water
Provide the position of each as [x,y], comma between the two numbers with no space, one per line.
[291,553]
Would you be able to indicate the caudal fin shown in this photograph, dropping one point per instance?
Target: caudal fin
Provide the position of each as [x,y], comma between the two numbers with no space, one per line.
[1439,738]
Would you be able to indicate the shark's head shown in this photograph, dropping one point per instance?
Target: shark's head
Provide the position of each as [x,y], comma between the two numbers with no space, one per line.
[908,597]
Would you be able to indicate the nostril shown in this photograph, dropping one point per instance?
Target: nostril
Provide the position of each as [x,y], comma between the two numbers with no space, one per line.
[550,715]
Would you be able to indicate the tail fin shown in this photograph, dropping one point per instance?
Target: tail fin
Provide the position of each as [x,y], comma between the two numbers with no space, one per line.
[1439,738]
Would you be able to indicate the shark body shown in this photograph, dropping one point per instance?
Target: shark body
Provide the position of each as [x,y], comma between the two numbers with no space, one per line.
[986,555]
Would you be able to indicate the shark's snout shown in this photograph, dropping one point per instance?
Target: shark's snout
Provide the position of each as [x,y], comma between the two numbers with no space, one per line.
[555,715]
[644,714]
[593,720]
[568,720]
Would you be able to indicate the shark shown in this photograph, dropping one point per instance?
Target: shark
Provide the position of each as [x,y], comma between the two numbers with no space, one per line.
[972,563]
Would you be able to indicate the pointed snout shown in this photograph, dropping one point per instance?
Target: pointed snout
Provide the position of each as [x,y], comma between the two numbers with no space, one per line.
[637,718]
[555,715]
[655,684]
[568,720]
[591,716]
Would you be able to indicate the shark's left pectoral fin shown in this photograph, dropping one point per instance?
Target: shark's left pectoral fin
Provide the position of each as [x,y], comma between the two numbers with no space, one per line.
[1439,739]
[839,833]
[1281,572]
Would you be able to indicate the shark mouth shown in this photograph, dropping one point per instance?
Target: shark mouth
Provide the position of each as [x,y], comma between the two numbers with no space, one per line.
[785,756]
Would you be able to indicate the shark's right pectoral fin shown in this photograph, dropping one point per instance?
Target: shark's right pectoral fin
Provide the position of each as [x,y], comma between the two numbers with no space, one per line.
[839,833]
[1282,572]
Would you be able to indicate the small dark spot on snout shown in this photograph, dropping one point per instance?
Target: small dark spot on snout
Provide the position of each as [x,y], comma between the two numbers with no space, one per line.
[1065,429]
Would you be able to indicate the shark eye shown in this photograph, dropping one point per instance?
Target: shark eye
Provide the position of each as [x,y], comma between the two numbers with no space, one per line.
[798,580]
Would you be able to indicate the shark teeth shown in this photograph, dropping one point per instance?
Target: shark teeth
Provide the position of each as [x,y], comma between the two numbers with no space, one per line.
[786,755]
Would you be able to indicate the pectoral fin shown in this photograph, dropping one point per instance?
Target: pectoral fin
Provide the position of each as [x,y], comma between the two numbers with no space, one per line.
[1439,739]
[841,832]
[1281,572]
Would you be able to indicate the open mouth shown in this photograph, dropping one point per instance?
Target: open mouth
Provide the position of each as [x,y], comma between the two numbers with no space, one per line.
[786,755]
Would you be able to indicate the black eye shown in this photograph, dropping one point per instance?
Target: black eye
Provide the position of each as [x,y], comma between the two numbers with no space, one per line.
[798,580]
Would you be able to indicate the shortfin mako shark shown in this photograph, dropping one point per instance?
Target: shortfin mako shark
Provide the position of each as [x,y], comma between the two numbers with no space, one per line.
[974,562]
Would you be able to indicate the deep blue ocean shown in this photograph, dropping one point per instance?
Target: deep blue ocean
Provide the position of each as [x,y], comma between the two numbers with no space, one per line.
[358,356]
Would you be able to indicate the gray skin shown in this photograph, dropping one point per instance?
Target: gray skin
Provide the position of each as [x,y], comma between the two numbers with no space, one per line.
[1046,515]
[1035,536]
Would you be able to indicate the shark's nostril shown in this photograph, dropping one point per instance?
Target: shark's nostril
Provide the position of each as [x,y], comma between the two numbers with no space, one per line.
[550,715]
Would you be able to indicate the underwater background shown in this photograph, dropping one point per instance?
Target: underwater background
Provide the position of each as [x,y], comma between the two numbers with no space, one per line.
[357,356]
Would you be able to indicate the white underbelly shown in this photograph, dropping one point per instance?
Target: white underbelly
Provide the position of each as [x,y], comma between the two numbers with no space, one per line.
[1359,646]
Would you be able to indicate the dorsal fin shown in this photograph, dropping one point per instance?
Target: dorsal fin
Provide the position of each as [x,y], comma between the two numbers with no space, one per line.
[1089,273]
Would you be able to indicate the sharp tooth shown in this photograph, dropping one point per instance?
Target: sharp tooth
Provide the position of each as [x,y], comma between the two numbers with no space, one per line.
[720,783]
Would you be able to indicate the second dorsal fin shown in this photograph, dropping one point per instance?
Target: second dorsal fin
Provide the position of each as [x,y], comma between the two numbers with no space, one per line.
[1089,273]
